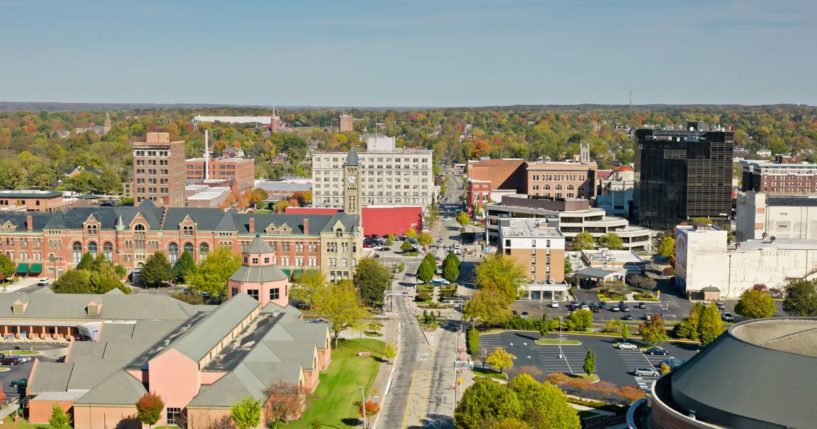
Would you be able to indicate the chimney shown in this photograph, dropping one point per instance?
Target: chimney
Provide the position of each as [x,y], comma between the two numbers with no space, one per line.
[251,225]
[29,223]
[306,226]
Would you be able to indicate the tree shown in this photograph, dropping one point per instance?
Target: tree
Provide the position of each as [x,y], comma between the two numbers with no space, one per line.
[371,279]
[489,306]
[411,233]
[389,352]
[473,341]
[246,414]
[183,267]
[407,247]
[653,330]
[801,298]
[688,328]
[390,239]
[149,408]
[543,404]
[589,362]
[156,270]
[73,281]
[427,269]
[501,273]
[256,196]
[451,267]
[500,359]
[211,275]
[710,325]
[59,419]
[544,325]
[612,241]
[425,239]
[85,262]
[625,331]
[568,266]
[308,287]
[341,304]
[756,304]
[580,320]
[284,400]
[583,241]
[7,267]
[667,246]
[463,219]
[485,400]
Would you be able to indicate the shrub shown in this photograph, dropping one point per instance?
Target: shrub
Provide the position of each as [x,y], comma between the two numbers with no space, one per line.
[472,340]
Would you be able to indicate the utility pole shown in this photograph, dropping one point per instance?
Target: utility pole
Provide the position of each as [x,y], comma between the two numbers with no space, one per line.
[363,405]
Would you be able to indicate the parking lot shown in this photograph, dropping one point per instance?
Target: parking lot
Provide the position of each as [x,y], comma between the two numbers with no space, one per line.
[48,352]
[612,364]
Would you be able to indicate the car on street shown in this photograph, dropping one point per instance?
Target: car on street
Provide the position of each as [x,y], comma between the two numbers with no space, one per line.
[645,372]
[728,317]
[20,382]
[554,304]
[647,316]
[641,306]
[584,306]
[43,281]
[627,346]
[614,309]
[625,308]
[656,351]
[627,317]
[720,305]
[573,305]
[10,360]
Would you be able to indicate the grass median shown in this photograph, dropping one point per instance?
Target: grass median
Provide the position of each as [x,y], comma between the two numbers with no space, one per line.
[556,342]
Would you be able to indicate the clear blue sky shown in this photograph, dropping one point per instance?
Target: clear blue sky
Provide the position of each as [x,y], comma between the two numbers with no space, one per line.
[409,52]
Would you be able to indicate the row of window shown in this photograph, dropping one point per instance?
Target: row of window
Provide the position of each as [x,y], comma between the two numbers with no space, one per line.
[573,177]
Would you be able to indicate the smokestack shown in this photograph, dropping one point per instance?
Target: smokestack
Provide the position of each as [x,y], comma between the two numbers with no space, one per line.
[251,225]
[206,155]
[29,223]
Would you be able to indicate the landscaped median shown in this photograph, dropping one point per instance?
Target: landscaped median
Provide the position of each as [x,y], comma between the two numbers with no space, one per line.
[557,342]
[336,400]
[20,352]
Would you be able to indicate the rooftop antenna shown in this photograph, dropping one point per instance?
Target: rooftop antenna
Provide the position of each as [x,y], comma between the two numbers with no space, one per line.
[206,155]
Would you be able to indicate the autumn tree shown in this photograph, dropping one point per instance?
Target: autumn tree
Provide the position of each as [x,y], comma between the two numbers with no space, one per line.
[425,239]
[309,287]
[211,275]
[710,325]
[756,304]
[502,274]
[284,401]
[544,403]
[149,408]
[246,414]
[653,330]
[489,306]
[463,219]
[341,304]
[500,359]
[667,246]
[583,241]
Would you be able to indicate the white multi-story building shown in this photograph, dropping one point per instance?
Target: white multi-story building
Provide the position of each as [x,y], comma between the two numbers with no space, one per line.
[703,260]
[388,176]
[760,216]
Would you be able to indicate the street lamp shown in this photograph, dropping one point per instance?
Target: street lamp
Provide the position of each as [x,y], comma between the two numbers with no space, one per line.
[363,405]
[561,356]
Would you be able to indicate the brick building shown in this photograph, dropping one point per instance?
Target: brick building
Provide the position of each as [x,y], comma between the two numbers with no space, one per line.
[487,176]
[31,201]
[562,179]
[540,250]
[129,235]
[346,123]
[786,175]
[240,169]
[158,170]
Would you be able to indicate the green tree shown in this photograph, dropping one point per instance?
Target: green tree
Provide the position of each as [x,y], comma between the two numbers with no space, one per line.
[371,279]
[463,219]
[246,414]
[612,241]
[309,287]
[583,241]
[756,304]
[407,247]
[489,306]
[411,233]
[183,267]
[389,352]
[156,270]
[425,239]
[211,275]
[568,266]
[544,401]
[451,267]
[473,341]
[500,359]
[801,298]
[580,320]
[544,325]
[149,408]
[667,246]
[688,328]
[485,400]
[59,418]
[85,262]
[73,281]
[427,268]
[625,332]
[589,362]
[390,239]
[341,304]
[653,331]
[710,325]
[501,273]
[7,267]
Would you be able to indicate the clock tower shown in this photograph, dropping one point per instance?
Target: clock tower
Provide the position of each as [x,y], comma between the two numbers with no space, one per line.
[351,184]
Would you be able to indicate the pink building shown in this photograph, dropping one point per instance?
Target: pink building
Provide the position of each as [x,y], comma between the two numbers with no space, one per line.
[258,276]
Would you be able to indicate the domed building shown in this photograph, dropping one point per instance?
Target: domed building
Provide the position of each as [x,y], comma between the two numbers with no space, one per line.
[758,374]
[259,277]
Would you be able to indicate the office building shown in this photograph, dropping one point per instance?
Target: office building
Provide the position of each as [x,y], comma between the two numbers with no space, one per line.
[760,215]
[562,179]
[242,170]
[346,123]
[488,179]
[158,171]
[32,201]
[683,174]
[540,250]
[785,175]
[385,176]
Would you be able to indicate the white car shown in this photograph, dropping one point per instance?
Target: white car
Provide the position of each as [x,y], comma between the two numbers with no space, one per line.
[43,281]
[645,372]
[554,304]
[627,346]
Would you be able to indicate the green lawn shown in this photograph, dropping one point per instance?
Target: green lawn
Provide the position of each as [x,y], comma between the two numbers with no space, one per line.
[335,402]
[489,373]
[555,342]
[20,352]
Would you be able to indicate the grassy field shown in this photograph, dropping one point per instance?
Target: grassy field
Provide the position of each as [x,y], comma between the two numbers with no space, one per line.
[20,352]
[335,401]
[489,373]
[555,342]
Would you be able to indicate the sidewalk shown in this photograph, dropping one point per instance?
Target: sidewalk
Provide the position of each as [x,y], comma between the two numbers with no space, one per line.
[382,382]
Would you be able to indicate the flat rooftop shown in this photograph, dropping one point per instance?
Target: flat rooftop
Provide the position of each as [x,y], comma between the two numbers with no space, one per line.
[798,336]
[618,256]
[780,243]
[792,201]
[528,228]
[29,194]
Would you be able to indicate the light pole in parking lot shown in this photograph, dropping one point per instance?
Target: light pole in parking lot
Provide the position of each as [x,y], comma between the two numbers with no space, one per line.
[561,356]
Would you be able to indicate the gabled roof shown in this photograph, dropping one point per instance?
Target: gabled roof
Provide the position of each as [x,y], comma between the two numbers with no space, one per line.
[352,158]
[116,307]
[118,389]
[248,274]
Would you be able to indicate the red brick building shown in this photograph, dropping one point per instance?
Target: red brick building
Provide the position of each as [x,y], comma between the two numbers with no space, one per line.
[242,170]
[158,171]
[32,201]
[786,175]
[489,175]
[55,242]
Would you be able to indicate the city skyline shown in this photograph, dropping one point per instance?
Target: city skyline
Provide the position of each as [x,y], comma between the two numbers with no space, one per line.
[410,54]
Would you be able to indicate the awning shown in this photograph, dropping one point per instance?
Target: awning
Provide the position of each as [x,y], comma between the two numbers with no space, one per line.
[36,268]
[22,268]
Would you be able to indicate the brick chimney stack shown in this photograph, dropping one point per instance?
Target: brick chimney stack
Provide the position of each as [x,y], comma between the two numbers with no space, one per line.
[251,225]
[29,223]
[306,226]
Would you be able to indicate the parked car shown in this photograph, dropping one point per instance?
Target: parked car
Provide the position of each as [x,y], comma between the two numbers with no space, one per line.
[641,306]
[573,305]
[554,304]
[627,317]
[43,281]
[656,351]
[594,307]
[648,316]
[615,309]
[727,317]
[720,305]
[584,306]
[625,308]
[10,360]
[603,305]
[627,346]
[20,382]
[645,372]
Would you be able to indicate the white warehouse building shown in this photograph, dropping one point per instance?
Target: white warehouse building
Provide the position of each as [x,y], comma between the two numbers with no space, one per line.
[781,216]
[703,260]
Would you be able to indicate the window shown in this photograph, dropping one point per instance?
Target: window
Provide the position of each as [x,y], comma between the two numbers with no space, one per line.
[77,252]
[107,250]
[253,293]
[204,249]
[92,248]
[254,260]
[188,247]
[275,293]
[174,416]
[173,252]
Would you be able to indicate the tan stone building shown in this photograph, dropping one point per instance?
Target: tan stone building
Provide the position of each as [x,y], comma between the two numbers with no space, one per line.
[562,179]
[540,250]
[159,171]
[346,123]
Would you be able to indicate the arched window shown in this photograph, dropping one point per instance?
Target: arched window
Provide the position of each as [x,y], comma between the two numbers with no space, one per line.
[204,249]
[173,252]
[188,247]
[569,187]
[187,229]
[92,229]
[558,187]
[139,227]
[107,250]
[546,187]
[77,252]
[92,249]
